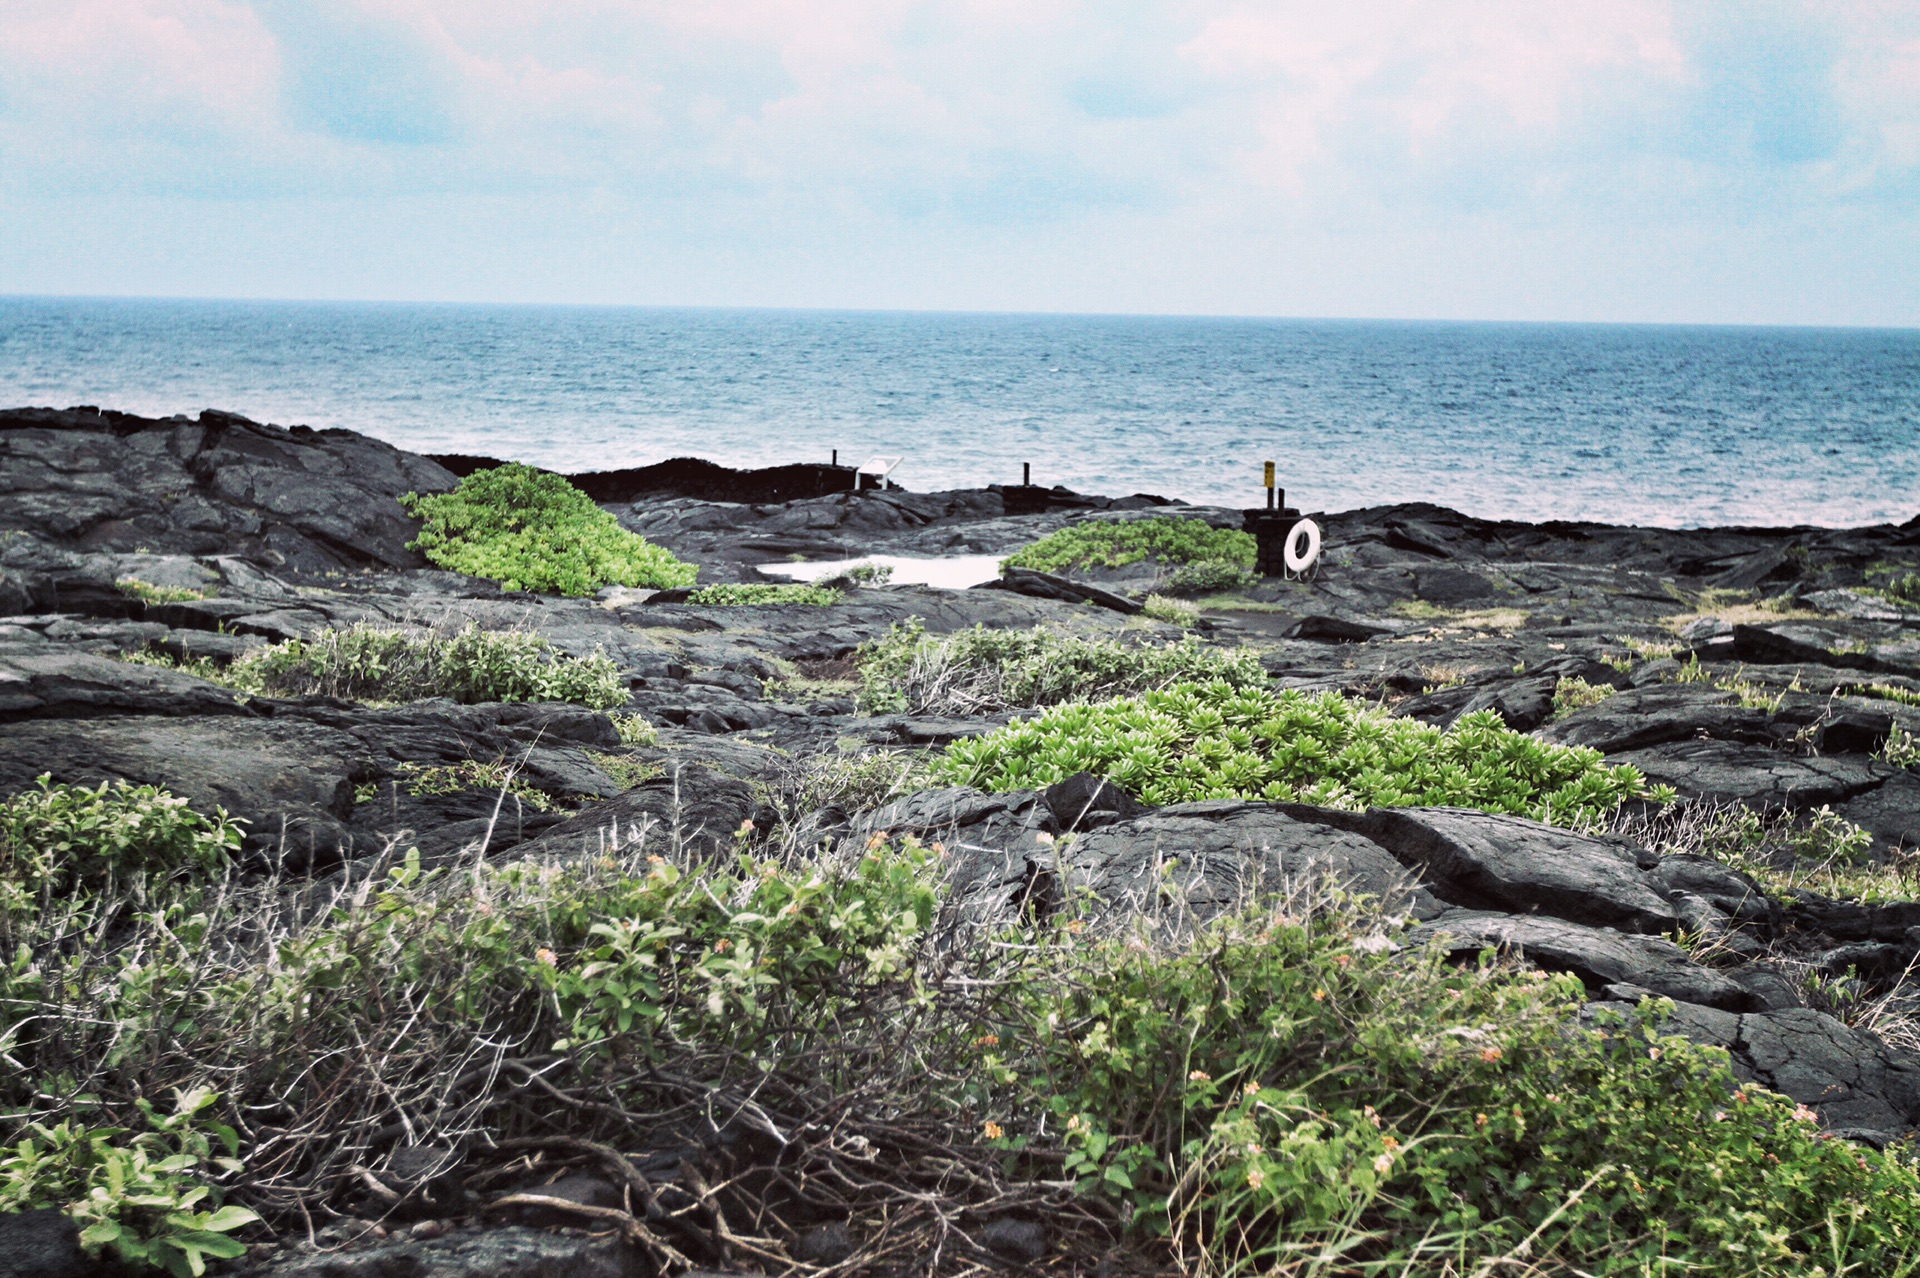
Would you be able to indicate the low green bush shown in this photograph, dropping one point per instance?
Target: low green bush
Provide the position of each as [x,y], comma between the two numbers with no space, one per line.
[147,592]
[385,663]
[1218,741]
[137,1195]
[1112,543]
[1210,576]
[531,530]
[751,594]
[1293,1092]
[1573,694]
[984,670]
[63,841]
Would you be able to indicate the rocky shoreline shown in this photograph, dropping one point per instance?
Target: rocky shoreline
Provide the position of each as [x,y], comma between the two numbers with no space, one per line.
[1746,666]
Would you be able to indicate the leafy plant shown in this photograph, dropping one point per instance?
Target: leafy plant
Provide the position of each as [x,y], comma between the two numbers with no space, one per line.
[147,592]
[1573,694]
[753,594]
[532,530]
[1292,1091]
[1216,741]
[982,670]
[59,840]
[384,663]
[1899,583]
[1177,612]
[423,780]
[733,958]
[139,1195]
[1209,576]
[1110,543]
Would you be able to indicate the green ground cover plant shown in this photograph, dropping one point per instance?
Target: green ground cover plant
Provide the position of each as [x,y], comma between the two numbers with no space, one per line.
[982,670]
[1108,543]
[531,530]
[1217,741]
[391,663]
[1290,1088]
[754,594]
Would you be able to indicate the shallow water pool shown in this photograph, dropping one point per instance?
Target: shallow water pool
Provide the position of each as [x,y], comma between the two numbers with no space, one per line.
[951,572]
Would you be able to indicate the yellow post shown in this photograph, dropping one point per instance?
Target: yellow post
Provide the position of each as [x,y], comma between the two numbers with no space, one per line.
[1270,485]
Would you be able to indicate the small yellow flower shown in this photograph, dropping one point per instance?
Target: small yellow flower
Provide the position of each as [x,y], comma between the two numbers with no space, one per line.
[1391,1143]
[1491,1054]
[987,1040]
[656,860]
[722,945]
[1383,1164]
[1076,926]
[1479,1120]
[1253,1089]
[1342,960]
[994,1131]
[1255,1177]
[547,957]
[1319,996]
[1199,1076]
[1073,1123]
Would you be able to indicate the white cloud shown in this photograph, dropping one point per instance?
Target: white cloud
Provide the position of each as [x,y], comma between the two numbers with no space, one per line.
[816,130]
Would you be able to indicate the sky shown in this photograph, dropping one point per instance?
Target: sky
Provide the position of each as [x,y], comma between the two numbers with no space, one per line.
[1745,161]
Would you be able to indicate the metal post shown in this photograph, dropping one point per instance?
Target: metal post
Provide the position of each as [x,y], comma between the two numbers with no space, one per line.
[1026,474]
[836,457]
[1269,479]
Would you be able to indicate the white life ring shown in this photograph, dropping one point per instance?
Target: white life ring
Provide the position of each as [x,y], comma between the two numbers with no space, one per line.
[1298,560]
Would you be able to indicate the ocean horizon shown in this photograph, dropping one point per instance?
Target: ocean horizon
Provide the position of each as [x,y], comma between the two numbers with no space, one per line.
[1665,425]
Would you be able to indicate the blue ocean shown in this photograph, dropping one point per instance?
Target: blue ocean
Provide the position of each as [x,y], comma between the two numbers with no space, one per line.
[1673,426]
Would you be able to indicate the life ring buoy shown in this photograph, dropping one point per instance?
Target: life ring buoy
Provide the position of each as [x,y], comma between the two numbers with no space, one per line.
[1301,560]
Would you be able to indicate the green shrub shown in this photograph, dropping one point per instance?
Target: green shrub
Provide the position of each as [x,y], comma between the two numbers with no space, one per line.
[147,592]
[1109,543]
[136,1195]
[753,594]
[1210,576]
[1216,741]
[1175,612]
[61,840]
[735,959]
[383,663]
[1573,694]
[531,530]
[1293,1092]
[984,670]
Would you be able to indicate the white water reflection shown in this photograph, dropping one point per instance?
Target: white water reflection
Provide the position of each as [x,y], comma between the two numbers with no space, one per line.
[952,572]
